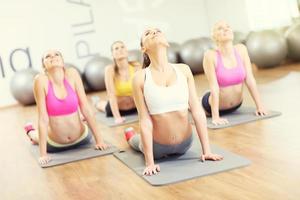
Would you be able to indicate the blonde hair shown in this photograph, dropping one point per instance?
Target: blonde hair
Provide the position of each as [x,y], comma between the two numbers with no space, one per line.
[116,68]
[213,31]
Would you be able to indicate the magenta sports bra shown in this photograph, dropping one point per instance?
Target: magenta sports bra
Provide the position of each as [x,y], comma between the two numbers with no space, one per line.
[233,76]
[58,107]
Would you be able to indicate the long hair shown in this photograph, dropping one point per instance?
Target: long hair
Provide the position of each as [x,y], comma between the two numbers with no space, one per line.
[146,59]
[116,69]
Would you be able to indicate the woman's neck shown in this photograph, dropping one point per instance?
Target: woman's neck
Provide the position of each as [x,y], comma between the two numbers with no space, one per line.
[159,59]
[56,75]
[226,48]
[122,64]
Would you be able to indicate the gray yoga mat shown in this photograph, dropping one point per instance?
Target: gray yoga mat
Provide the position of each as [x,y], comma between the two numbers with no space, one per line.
[182,167]
[80,153]
[241,116]
[110,121]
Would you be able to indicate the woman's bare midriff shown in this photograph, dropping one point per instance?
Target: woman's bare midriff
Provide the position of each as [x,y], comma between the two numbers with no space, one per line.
[171,128]
[230,96]
[125,102]
[65,129]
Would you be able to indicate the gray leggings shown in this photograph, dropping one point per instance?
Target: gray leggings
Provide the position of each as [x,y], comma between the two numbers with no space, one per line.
[85,141]
[161,150]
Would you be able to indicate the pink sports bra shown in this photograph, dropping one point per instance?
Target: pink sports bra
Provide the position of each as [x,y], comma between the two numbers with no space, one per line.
[232,76]
[58,107]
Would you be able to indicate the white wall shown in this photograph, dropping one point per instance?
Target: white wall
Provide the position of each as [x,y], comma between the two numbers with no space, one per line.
[252,15]
[232,11]
[269,14]
[82,28]
[126,20]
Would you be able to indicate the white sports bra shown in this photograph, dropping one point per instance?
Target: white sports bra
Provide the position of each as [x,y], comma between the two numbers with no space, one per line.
[161,99]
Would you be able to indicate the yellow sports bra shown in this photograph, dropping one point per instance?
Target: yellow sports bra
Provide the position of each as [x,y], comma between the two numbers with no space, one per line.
[124,88]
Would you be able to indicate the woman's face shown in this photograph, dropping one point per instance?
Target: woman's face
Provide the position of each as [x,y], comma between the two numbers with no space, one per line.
[222,32]
[52,58]
[119,50]
[153,37]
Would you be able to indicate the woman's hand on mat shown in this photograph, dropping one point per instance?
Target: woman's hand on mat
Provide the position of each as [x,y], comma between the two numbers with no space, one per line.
[219,121]
[120,120]
[211,156]
[101,146]
[261,112]
[44,159]
[151,170]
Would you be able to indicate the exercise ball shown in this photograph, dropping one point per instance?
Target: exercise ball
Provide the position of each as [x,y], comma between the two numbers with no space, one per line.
[68,65]
[21,86]
[86,86]
[282,30]
[293,42]
[135,55]
[295,21]
[173,52]
[84,82]
[192,52]
[239,37]
[266,48]
[94,72]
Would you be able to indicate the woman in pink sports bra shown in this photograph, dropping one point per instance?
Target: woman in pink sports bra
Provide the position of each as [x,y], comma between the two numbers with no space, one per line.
[227,68]
[60,98]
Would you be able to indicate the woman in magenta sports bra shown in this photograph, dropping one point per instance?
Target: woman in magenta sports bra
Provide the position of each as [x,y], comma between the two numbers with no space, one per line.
[118,79]
[226,69]
[163,92]
[60,98]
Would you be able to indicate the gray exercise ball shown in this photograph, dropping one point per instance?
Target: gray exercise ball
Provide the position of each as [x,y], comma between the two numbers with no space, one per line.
[21,86]
[173,52]
[86,86]
[84,82]
[282,30]
[266,48]
[135,55]
[94,72]
[239,37]
[67,65]
[192,52]
[293,41]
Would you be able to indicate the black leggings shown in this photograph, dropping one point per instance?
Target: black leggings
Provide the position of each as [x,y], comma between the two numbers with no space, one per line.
[207,107]
[122,112]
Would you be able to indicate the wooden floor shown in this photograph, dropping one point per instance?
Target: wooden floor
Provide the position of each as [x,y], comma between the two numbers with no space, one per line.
[272,145]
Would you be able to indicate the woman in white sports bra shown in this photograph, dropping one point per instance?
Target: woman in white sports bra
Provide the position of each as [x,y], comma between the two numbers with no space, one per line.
[162,93]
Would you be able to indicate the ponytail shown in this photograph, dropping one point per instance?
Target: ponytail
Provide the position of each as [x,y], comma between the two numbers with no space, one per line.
[146,60]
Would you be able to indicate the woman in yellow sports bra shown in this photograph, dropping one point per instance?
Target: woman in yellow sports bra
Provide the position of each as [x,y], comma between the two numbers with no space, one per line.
[118,81]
